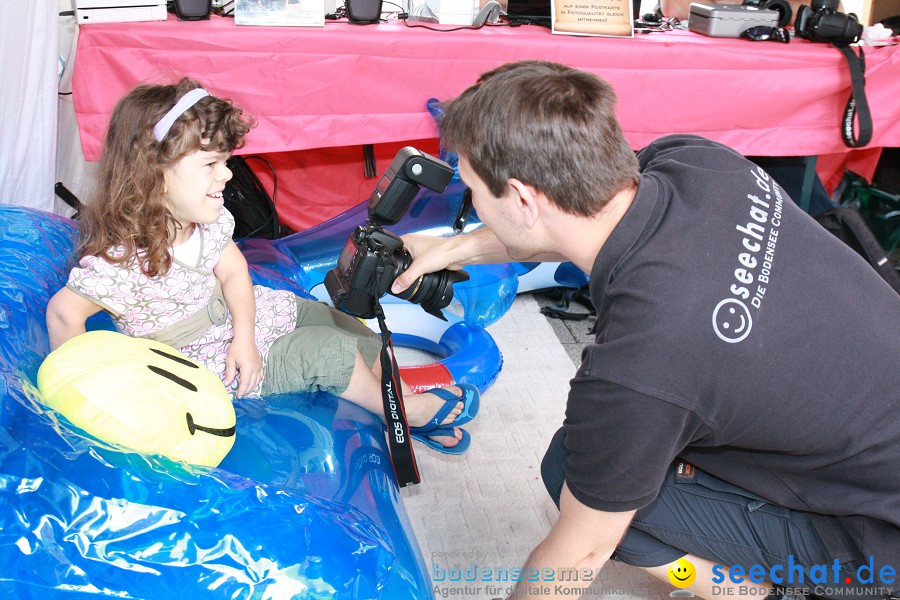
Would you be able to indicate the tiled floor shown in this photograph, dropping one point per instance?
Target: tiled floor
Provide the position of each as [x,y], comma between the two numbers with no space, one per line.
[478,516]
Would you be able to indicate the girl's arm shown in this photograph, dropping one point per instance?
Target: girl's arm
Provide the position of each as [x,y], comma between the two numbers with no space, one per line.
[66,313]
[243,355]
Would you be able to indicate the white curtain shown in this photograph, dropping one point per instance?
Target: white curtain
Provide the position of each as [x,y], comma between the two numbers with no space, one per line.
[78,176]
[29,59]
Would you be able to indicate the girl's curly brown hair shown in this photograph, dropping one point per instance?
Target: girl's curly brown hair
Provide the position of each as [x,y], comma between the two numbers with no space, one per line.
[129,206]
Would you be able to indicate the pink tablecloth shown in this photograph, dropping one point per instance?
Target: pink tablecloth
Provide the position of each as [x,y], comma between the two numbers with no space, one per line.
[345,85]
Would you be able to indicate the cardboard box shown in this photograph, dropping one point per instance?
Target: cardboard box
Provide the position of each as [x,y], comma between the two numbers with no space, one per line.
[874,11]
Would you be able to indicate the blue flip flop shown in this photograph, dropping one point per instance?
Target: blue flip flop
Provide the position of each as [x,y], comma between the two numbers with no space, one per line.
[470,398]
[464,442]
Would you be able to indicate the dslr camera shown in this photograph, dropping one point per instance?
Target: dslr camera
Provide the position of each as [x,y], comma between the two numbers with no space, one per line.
[373,257]
[821,22]
[782,7]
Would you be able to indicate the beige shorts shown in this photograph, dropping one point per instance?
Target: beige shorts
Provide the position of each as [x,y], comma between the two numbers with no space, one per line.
[319,355]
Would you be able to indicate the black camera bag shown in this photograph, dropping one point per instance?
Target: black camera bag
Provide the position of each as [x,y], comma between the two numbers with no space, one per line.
[249,202]
[848,225]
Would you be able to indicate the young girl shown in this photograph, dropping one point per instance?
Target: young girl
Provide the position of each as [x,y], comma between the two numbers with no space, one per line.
[156,253]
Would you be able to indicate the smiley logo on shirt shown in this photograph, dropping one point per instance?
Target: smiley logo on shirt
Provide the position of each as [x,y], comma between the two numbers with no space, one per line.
[731,320]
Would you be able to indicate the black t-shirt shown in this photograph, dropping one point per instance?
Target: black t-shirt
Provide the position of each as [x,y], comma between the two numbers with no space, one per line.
[737,333]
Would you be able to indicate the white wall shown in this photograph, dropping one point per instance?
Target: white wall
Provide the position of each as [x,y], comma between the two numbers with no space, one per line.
[853,6]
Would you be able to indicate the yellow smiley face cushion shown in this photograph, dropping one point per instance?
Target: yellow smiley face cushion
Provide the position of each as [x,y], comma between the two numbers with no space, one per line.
[140,394]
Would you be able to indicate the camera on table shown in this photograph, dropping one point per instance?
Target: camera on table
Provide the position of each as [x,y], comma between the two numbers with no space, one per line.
[373,257]
[821,22]
[782,7]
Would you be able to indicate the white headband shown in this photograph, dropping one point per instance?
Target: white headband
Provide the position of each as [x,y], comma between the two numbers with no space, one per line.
[188,100]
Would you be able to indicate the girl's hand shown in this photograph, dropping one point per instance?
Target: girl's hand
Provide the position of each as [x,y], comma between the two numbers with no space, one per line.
[244,358]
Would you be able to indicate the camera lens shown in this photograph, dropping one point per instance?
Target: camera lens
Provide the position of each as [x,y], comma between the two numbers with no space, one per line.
[433,291]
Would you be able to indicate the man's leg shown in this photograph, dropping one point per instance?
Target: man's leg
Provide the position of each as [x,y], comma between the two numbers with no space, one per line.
[705,518]
[637,548]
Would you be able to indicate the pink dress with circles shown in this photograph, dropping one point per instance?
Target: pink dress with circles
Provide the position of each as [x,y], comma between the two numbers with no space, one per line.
[140,305]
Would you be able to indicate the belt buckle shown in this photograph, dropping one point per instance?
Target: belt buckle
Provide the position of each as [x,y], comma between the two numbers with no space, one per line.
[218,311]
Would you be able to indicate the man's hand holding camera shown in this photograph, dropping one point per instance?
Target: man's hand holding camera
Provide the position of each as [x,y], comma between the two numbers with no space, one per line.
[430,254]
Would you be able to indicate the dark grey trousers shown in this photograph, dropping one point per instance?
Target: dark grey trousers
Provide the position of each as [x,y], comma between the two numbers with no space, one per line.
[713,519]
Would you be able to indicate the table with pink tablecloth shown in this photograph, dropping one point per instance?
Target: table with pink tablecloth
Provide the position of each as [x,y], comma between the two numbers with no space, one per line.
[346,85]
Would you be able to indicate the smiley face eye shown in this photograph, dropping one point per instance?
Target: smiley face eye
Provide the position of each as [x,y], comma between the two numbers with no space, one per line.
[178,359]
[172,377]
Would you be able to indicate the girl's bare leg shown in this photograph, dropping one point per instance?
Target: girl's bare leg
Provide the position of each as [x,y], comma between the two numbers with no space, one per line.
[365,390]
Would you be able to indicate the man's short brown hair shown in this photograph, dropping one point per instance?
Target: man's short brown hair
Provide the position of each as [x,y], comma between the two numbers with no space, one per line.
[547,125]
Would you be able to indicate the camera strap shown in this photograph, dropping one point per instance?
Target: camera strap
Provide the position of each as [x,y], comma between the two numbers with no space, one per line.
[857,105]
[399,441]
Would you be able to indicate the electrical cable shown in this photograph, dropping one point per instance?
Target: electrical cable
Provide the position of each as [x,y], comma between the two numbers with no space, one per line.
[405,22]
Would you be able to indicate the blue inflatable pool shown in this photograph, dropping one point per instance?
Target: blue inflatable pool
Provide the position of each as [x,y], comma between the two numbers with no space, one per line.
[304,506]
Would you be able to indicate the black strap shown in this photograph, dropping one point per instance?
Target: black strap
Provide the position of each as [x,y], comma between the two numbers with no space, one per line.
[567,296]
[399,441]
[857,105]
[465,208]
[848,225]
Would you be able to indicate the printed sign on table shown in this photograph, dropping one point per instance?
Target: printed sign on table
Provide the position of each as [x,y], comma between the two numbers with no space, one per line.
[593,17]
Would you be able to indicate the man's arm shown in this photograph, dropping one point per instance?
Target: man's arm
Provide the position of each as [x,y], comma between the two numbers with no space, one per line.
[582,538]
[431,254]
[237,288]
